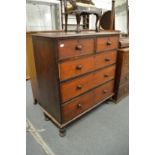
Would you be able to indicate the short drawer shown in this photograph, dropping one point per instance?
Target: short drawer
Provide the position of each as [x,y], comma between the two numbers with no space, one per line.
[76,87]
[75,47]
[104,75]
[107,43]
[105,59]
[104,91]
[77,106]
[74,68]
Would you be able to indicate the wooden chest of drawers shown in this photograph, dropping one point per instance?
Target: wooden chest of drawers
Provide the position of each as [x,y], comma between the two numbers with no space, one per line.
[122,74]
[75,72]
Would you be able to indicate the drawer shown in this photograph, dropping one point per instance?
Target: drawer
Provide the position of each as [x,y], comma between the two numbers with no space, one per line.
[75,47]
[74,68]
[104,91]
[104,75]
[105,59]
[107,43]
[77,106]
[123,91]
[75,87]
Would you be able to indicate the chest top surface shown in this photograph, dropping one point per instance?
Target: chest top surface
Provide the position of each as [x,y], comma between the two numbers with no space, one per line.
[62,34]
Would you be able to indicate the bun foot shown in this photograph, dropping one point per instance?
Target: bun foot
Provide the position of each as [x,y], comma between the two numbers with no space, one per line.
[62,132]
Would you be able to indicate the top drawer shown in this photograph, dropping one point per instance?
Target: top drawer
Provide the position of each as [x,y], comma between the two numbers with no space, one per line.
[107,43]
[75,47]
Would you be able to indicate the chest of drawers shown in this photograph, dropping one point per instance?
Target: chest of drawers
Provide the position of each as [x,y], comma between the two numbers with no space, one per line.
[75,73]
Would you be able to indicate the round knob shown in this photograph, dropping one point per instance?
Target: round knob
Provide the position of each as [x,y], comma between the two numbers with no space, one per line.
[104,91]
[79,106]
[109,43]
[79,67]
[78,47]
[107,59]
[106,75]
[79,87]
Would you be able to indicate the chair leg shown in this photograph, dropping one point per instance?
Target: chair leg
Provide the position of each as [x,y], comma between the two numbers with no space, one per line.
[66,22]
[78,19]
[97,24]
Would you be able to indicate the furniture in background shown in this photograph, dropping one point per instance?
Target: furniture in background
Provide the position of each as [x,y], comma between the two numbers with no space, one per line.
[75,73]
[122,71]
[107,21]
[81,8]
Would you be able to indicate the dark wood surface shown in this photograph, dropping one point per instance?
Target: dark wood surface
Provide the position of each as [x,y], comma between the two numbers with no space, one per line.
[122,74]
[47,75]
[63,83]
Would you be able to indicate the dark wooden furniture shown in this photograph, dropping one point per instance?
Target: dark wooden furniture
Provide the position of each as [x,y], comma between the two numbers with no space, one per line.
[79,8]
[75,72]
[122,71]
[107,21]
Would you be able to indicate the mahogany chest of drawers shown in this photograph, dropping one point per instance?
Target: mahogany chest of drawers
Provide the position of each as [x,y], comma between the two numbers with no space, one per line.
[75,73]
[122,71]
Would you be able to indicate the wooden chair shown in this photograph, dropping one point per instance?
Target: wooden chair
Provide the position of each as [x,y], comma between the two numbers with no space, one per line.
[79,8]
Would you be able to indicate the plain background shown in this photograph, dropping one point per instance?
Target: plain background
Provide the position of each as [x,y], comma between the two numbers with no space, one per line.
[13,84]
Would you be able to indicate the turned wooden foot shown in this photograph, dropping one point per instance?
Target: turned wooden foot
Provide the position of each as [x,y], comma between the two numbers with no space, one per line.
[62,132]
[46,117]
[35,102]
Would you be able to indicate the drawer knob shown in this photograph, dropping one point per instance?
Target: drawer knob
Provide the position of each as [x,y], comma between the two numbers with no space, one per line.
[104,91]
[109,43]
[79,106]
[79,87]
[107,59]
[78,47]
[79,67]
[106,75]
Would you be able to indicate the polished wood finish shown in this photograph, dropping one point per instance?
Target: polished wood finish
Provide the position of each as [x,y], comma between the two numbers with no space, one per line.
[71,86]
[122,72]
[75,47]
[107,43]
[77,67]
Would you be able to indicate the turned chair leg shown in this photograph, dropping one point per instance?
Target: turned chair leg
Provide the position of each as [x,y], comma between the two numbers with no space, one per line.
[66,22]
[78,19]
[97,24]
[62,132]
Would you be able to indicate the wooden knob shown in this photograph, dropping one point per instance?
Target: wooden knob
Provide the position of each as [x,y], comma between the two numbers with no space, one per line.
[79,87]
[79,67]
[78,47]
[106,75]
[107,59]
[104,91]
[79,106]
[109,43]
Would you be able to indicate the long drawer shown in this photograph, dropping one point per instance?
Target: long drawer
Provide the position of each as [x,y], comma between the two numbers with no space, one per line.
[80,85]
[86,101]
[77,67]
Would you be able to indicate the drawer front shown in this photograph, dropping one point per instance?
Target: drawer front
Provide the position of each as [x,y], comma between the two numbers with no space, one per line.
[77,106]
[75,87]
[107,43]
[105,59]
[104,91]
[123,90]
[74,68]
[104,75]
[75,47]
